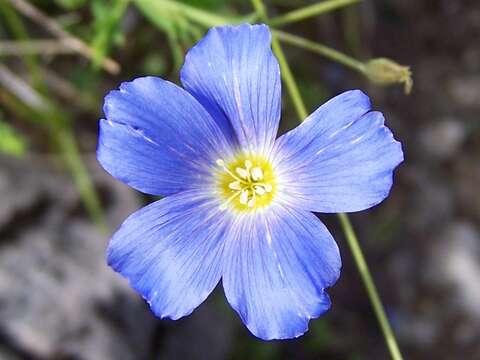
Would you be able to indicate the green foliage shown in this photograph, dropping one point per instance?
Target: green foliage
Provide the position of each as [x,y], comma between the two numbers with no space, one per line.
[171,20]
[258,350]
[54,119]
[71,4]
[208,4]
[154,64]
[11,142]
[107,26]
[320,336]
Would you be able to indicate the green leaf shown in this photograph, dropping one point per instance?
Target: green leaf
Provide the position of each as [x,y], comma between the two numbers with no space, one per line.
[71,4]
[209,4]
[162,11]
[107,26]
[11,142]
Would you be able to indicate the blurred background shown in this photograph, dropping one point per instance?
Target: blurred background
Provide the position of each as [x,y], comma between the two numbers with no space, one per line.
[58,58]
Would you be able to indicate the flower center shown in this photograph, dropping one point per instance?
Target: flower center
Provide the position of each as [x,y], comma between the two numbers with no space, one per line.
[246,183]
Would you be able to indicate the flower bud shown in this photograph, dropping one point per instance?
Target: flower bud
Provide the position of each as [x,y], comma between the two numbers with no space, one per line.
[383,71]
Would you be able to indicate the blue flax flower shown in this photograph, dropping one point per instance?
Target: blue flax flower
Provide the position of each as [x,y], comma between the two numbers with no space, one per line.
[237,201]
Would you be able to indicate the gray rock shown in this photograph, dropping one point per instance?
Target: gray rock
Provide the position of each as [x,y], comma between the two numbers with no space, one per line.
[466,180]
[465,90]
[58,298]
[417,329]
[443,139]
[456,259]
[432,202]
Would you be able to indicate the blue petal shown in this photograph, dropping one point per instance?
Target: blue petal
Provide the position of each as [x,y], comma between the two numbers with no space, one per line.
[340,159]
[234,74]
[158,138]
[276,268]
[171,252]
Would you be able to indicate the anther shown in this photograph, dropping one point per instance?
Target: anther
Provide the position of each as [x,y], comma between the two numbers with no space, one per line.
[257,174]
[244,197]
[235,185]
[242,173]
[260,190]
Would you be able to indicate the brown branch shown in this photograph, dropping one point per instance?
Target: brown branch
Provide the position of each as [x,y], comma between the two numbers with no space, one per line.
[44,47]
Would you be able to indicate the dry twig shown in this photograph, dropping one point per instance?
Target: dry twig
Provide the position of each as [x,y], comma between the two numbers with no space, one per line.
[43,47]
[21,89]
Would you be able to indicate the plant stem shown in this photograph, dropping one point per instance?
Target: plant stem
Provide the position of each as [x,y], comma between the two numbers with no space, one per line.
[309,11]
[369,284]
[288,78]
[104,37]
[207,19]
[320,49]
[194,14]
[344,220]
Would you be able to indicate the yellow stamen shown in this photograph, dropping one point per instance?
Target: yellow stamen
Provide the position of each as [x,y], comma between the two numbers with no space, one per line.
[246,182]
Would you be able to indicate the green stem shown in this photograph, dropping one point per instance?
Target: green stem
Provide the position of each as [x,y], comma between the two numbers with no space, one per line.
[288,78]
[286,72]
[344,220]
[320,49]
[207,19]
[309,11]
[194,14]
[367,279]
[104,37]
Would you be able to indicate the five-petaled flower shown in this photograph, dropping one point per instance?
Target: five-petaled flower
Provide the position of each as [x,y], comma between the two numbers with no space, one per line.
[238,202]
